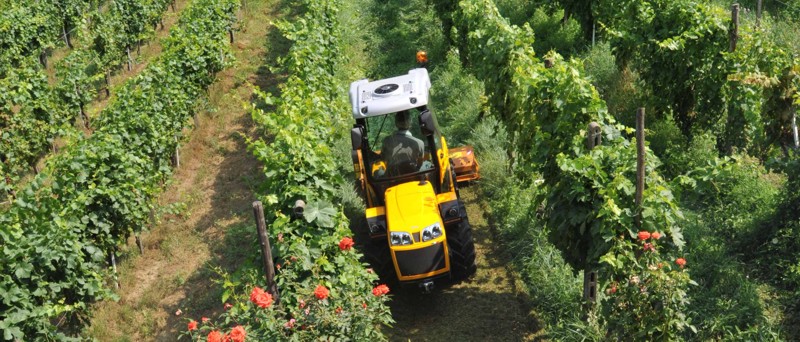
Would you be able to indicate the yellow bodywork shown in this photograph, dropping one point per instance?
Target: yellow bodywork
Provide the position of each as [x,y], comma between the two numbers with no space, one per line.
[410,207]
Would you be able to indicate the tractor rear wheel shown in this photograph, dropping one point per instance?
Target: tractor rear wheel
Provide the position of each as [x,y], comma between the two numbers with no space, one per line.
[462,249]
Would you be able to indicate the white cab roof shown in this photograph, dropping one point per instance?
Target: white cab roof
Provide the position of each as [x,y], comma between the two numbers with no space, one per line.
[389,95]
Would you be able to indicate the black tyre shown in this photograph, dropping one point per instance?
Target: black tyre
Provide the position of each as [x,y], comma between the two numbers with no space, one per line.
[462,249]
[379,257]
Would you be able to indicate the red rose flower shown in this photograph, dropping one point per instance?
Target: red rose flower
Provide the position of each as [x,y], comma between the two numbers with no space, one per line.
[227,306]
[364,305]
[321,292]
[681,262]
[192,325]
[237,334]
[215,336]
[612,289]
[656,235]
[338,310]
[644,235]
[649,247]
[380,290]
[261,298]
[204,319]
[346,244]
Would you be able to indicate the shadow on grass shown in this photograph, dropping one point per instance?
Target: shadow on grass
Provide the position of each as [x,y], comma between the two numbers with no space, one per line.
[486,307]
[458,314]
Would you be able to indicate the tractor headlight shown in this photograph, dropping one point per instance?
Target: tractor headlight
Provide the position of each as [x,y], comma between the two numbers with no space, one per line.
[401,238]
[431,232]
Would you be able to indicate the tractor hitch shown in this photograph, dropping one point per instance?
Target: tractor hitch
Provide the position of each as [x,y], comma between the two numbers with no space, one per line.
[426,286]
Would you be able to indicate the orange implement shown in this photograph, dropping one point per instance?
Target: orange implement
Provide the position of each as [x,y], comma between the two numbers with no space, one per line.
[465,164]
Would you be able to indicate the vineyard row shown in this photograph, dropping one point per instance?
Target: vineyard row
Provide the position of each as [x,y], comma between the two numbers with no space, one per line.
[590,211]
[59,233]
[33,112]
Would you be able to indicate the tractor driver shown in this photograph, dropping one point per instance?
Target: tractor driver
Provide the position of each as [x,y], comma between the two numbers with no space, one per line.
[402,151]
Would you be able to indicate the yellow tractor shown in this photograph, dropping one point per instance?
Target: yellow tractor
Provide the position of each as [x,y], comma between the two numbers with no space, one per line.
[416,226]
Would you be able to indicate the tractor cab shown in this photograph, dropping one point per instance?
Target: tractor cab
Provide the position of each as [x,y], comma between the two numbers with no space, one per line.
[417,226]
[395,155]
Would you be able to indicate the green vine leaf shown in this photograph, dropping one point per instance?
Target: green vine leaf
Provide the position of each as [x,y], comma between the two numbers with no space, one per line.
[322,212]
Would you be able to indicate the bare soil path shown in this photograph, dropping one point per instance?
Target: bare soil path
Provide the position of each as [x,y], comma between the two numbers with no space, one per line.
[204,215]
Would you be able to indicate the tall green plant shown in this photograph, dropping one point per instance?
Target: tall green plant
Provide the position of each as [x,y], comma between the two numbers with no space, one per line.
[682,50]
[326,293]
[589,203]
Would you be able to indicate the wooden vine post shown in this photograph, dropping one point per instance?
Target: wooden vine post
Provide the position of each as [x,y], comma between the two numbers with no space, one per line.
[176,158]
[139,243]
[130,60]
[43,58]
[794,131]
[758,14]
[108,83]
[65,33]
[594,139]
[266,251]
[640,154]
[84,118]
[735,29]
[113,257]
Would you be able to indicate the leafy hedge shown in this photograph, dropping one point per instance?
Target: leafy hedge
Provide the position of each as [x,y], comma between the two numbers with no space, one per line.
[681,50]
[32,111]
[589,205]
[325,291]
[57,234]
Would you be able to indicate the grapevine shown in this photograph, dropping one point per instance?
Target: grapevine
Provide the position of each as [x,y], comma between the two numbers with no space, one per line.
[59,231]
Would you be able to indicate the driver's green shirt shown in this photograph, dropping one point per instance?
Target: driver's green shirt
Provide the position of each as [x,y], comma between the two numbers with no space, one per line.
[402,147]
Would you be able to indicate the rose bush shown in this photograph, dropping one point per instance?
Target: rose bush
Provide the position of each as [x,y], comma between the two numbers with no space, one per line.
[645,295]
